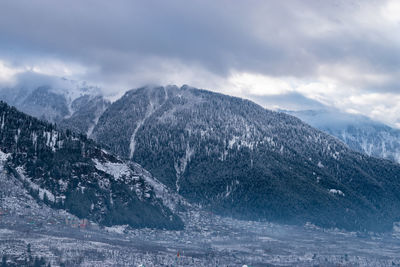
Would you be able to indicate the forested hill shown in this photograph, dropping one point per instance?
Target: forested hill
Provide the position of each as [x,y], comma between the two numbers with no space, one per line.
[239,159]
[67,171]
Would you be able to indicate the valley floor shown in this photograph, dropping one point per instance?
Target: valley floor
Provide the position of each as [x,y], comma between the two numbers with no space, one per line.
[208,240]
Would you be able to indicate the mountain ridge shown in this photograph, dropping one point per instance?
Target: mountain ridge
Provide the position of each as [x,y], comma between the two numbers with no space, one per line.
[237,158]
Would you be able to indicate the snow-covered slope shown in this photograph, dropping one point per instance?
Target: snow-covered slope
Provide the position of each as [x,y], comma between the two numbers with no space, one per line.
[16,201]
[358,132]
[68,171]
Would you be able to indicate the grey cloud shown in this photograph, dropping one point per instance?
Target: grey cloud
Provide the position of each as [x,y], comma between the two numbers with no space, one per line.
[288,101]
[122,39]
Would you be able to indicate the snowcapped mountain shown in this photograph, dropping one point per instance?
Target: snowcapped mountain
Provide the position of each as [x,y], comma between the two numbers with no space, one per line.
[239,159]
[68,171]
[358,132]
[70,104]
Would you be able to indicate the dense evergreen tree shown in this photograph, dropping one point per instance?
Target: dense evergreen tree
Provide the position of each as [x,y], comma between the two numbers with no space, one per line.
[4,261]
[67,170]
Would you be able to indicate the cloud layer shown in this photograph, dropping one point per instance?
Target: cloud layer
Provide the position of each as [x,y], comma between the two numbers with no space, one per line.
[341,53]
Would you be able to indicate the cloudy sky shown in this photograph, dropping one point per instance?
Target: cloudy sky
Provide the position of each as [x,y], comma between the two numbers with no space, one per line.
[282,54]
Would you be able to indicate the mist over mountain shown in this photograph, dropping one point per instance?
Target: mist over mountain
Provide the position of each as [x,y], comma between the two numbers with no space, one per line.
[239,159]
[360,133]
[70,104]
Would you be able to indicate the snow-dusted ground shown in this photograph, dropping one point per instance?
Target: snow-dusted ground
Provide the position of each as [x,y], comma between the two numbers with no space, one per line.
[208,240]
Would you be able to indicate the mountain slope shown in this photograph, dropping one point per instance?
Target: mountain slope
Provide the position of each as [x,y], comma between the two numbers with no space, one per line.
[68,171]
[72,105]
[358,132]
[236,158]
[86,111]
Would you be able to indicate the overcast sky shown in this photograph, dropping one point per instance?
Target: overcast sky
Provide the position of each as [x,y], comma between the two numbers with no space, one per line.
[344,54]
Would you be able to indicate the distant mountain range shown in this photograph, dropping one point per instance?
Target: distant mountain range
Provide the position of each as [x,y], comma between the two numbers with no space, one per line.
[358,132]
[72,105]
[68,171]
[228,155]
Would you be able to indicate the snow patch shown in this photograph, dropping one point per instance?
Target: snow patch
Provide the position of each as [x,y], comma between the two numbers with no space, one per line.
[4,156]
[96,119]
[336,192]
[51,139]
[117,229]
[117,170]
[2,122]
[63,184]
[240,142]
[132,144]
[180,165]
[233,141]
